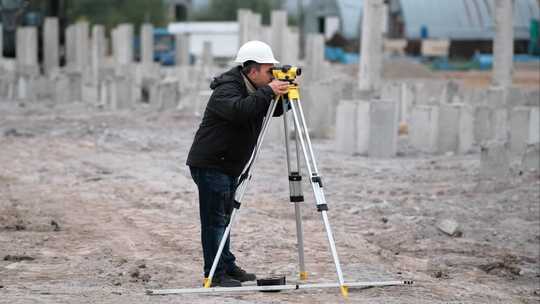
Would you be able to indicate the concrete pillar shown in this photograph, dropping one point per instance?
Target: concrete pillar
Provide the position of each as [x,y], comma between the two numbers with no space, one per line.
[293,48]
[62,94]
[424,128]
[167,92]
[70,46]
[497,97]
[184,76]
[503,44]
[41,88]
[23,90]
[392,91]
[429,92]
[265,35]
[314,57]
[182,50]
[531,158]
[494,160]
[121,93]
[363,127]
[406,101]
[490,123]
[372,46]
[515,97]
[319,105]
[75,86]
[104,93]
[534,126]
[51,42]
[27,50]
[112,95]
[114,42]
[123,44]
[244,22]
[126,35]
[107,47]
[147,44]
[254,31]
[499,125]
[482,124]
[383,128]
[524,128]
[533,98]
[90,93]
[450,92]
[278,21]
[456,128]
[8,89]
[98,51]
[448,130]
[207,58]
[466,129]
[82,49]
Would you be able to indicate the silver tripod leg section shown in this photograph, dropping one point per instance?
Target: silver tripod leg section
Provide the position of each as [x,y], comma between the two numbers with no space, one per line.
[301,131]
[240,191]
[308,140]
[300,237]
[295,189]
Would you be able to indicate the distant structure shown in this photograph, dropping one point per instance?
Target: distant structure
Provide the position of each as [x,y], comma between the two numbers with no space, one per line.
[468,25]
[328,16]
[222,34]
[178,10]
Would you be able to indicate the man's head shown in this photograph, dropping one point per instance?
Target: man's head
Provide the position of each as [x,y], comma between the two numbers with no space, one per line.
[257,61]
[260,74]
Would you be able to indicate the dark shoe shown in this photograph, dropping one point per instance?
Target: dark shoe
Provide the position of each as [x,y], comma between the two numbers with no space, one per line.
[240,274]
[225,281]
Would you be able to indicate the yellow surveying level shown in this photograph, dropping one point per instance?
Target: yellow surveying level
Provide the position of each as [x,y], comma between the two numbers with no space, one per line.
[286,73]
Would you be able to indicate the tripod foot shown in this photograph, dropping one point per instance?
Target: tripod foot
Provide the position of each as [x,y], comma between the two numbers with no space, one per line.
[344,291]
[207,282]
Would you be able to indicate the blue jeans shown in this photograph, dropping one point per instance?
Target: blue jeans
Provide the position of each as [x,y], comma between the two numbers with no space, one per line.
[216,200]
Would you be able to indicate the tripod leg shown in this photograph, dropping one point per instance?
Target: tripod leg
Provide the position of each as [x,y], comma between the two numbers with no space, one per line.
[300,237]
[316,183]
[245,177]
[295,189]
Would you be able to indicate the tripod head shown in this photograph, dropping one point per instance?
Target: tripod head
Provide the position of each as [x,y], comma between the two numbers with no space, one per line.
[286,73]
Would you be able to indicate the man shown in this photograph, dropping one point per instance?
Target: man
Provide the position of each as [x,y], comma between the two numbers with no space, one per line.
[223,145]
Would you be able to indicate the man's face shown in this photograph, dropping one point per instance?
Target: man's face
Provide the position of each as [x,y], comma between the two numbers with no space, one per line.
[263,76]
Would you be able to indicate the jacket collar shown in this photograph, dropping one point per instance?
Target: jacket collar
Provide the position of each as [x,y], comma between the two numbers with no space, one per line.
[249,85]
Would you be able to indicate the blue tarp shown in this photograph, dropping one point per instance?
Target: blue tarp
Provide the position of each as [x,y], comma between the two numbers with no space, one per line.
[336,54]
[485,61]
[482,62]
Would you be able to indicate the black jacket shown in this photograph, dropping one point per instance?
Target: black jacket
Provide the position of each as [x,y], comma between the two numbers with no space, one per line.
[231,124]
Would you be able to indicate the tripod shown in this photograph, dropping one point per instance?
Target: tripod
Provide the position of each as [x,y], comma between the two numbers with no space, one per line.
[290,100]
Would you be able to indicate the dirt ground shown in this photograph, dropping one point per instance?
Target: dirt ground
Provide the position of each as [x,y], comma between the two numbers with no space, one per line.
[525,75]
[97,207]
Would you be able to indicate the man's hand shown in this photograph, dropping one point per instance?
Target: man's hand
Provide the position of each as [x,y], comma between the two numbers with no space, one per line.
[279,87]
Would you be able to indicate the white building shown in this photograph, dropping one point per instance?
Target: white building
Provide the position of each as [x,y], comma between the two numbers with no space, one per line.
[222,35]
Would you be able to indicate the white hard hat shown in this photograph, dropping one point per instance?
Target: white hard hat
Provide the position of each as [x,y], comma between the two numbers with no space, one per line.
[257,51]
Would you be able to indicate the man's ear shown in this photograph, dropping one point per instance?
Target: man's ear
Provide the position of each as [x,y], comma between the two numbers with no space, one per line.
[252,72]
